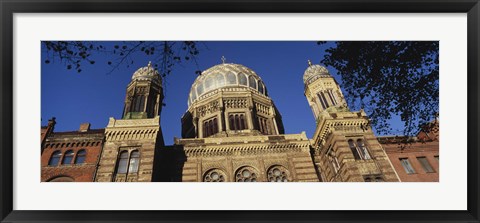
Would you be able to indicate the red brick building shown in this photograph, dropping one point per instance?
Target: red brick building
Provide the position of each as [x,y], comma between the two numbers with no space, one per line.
[70,156]
[415,159]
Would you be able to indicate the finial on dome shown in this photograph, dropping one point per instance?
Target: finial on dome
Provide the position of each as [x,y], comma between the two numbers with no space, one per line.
[309,63]
[223,59]
[149,63]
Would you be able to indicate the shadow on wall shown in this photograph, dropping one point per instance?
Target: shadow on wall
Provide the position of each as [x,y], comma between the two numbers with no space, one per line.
[169,164]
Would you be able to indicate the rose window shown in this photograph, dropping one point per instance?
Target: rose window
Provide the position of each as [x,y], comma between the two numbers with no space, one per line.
[246,174]
[214,176]
[277,174]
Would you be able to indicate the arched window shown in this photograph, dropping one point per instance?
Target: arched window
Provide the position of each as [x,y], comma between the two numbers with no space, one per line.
[354,150]
[214,175]
[363,149]
[80,156]
[215,125]
[68,157]
[209,83]
[237,122]
[242,122]
[134,161]
[332,97]
[220,80]
[242,79]
[277,174]
[231,122]
[246,174]
[260,87]
[55,158]
[122,162]
[252,82]
[231,78]
[200,88]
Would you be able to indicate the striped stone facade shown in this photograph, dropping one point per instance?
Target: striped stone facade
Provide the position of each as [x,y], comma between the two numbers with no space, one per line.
[258,153]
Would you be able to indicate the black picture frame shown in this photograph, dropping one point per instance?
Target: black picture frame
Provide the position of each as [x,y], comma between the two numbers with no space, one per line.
[9,7]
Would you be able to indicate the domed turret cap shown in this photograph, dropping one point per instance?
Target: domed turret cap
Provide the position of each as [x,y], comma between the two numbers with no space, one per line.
[313,72]
[147,73]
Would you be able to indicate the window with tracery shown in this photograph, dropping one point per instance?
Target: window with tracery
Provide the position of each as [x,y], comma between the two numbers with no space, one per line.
[210,127]
[277,174]
[128,163]
[359,150]
[237,121]
[246,174]
[214,175]
[363,149]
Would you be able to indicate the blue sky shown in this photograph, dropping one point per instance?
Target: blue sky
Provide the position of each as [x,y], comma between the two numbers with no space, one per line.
[94,94]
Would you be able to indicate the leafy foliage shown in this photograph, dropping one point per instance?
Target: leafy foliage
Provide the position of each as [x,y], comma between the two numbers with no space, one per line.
[388,79]
[163,54]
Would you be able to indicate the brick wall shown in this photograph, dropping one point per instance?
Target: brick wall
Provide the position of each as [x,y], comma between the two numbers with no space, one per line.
[90,141]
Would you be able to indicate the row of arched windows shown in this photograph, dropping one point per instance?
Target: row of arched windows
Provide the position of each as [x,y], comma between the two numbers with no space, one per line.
[128,162]
[67,158]
[359,149]
[275,173]
[210,127]
[237,121]
[323,100]
[219,80]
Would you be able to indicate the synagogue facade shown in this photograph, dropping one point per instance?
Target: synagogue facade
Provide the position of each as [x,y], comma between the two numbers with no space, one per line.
[231,132]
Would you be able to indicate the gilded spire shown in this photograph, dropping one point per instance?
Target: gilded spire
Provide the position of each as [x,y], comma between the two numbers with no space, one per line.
[223,59]
[309,63]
